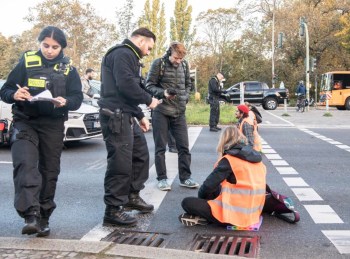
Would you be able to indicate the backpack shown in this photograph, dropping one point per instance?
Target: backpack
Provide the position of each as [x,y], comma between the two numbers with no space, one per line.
[280,206]
[162,67]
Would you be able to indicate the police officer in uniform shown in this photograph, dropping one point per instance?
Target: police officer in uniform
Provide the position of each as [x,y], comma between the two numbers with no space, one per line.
[37,138]
[214,90]
[122,90]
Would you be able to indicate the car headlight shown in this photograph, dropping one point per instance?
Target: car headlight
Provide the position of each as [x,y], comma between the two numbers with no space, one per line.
[74,115]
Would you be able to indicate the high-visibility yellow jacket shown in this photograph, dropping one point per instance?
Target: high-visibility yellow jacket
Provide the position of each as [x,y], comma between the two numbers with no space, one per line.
[241,204]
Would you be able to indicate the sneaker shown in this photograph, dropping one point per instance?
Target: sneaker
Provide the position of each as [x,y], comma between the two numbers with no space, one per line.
[191,220]
[163,185]
[189,183]
[44,228]
[32,225]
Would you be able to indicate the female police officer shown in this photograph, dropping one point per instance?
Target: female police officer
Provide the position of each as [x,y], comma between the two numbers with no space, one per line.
[37,139]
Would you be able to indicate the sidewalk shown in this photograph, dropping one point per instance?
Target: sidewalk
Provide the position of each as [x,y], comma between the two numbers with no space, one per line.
[58,248]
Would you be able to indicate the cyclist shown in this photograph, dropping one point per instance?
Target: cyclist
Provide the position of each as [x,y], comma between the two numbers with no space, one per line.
[301,93]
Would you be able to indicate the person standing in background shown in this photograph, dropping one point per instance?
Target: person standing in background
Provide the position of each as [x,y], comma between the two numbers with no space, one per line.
[214,90]
[89,75]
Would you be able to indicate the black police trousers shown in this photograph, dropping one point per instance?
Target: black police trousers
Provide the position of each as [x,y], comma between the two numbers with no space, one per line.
[36,147]
[214,112]
[127,160]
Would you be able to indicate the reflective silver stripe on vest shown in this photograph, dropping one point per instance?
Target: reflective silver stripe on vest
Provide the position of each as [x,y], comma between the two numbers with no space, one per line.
[244,191]
[238,209]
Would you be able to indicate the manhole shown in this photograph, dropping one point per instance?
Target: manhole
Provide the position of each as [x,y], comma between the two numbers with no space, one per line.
[138,238]
[227,245]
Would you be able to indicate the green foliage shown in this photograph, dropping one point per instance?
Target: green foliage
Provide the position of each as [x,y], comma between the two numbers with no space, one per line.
[197,113]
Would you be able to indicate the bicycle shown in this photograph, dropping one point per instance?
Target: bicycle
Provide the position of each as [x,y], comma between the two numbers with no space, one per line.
[301,103]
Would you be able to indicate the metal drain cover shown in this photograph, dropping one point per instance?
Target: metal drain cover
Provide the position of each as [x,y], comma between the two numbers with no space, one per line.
[227,245]
[138,238]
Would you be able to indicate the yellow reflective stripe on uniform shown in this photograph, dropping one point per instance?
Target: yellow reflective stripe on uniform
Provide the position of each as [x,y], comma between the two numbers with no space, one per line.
[238,209]
[244,191]
[39,83]
[32,60]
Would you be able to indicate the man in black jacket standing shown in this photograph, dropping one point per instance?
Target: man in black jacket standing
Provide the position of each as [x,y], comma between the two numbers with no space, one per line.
[214,90]
[169,80]
[122,90]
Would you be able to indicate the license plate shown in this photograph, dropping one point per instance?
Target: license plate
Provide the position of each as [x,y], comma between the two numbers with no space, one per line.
[97,124]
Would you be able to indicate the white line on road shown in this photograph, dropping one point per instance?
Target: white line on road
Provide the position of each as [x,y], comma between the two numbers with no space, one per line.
[340,239]
[295,181]
[150,193]
[323,214]
[286,170]
[306,194]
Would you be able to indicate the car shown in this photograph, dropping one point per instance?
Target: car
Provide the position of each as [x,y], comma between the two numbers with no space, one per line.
[96,89]
[256,92]
[82,124]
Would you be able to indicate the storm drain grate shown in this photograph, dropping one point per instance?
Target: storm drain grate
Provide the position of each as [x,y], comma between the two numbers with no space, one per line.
[227,245]
[138,238]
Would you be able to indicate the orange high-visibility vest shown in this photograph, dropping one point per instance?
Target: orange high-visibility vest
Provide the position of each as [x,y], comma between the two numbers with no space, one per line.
[241,204]
[257,140]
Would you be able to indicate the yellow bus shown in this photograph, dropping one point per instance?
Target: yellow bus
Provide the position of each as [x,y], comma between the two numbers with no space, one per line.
[335,86]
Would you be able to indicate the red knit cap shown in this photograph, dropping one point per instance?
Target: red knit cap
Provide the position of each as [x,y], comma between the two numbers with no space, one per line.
[243,108]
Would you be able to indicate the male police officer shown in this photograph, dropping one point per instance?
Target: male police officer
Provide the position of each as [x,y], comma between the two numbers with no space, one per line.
[214,90]
[128,158]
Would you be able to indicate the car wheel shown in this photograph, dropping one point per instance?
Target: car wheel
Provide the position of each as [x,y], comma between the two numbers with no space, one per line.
[347,103]
[270,103]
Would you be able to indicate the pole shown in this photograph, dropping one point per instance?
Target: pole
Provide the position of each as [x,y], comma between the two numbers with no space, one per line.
[273,44]
[241,96]
[307,69]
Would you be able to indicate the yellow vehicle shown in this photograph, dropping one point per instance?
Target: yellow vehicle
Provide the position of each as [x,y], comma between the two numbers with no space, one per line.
[335,86]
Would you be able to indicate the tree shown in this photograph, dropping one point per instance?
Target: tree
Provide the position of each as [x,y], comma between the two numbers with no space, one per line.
[87,34]
[125,20]
[180,24]
[153,18]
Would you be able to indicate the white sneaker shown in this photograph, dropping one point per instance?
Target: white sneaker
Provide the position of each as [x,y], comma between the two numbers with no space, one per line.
[163,185]
[189,183]
[191,220]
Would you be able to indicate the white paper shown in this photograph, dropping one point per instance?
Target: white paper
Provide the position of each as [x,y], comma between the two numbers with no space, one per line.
[45,96]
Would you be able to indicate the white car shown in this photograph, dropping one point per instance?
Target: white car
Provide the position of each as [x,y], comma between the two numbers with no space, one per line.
[83,123]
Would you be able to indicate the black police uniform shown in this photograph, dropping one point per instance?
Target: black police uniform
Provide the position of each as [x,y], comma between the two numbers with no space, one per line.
[37,139]
[214,93]
[122,91]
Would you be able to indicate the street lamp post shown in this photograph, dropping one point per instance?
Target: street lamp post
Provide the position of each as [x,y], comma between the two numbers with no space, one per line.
[307,63]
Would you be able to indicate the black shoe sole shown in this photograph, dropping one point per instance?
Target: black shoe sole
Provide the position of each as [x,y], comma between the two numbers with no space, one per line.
[142,210]
[107,222]
[30,230]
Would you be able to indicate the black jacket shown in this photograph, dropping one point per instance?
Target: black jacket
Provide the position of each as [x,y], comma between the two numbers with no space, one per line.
[177,78]
[211,187]
[121,82]
[214,88]
[19,76]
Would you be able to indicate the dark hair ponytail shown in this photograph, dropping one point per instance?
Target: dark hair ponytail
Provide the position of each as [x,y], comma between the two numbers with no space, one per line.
[55,33]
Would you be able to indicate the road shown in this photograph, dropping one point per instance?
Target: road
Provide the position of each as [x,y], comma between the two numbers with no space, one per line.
[307,159]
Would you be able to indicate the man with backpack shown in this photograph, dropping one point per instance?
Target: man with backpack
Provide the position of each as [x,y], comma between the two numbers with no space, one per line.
[169,80]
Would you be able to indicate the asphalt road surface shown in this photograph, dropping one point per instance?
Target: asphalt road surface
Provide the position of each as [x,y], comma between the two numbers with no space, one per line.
[307,158]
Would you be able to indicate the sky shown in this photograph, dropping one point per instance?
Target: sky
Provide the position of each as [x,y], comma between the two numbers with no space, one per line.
[13,11]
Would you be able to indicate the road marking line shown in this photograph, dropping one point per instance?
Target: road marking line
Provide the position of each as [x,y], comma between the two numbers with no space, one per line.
[306,194]
[265,146]
[150,193]
[5,162]
[273,156]
[286,170]
[340,239]
[323,214]
[288,122]
[268,151]
[279,162]
[295,181]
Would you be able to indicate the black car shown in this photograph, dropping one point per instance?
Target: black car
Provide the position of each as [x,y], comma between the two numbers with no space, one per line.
[256,92]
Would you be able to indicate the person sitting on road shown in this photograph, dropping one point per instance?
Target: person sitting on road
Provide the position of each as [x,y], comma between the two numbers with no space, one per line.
[237,181]
[247,126]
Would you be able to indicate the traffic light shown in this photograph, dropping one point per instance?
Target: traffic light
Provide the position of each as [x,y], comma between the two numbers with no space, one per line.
[301,27]
[313,64]
[280,40]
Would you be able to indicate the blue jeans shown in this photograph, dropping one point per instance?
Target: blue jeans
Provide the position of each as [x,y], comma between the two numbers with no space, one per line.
[177,125]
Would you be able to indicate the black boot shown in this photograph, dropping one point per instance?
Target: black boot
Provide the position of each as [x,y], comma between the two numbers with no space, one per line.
[44,228]
[31,223]
[137,203]
[117,216]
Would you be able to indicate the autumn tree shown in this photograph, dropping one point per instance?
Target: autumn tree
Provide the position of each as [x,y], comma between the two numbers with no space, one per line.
[88,35]
[180,24]
[125,21]
[153,18]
